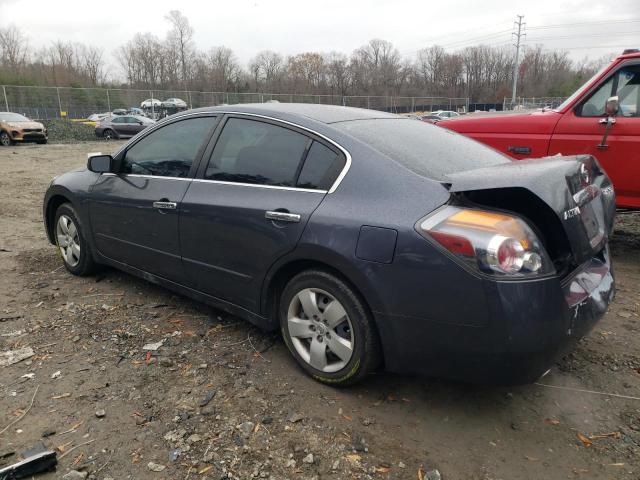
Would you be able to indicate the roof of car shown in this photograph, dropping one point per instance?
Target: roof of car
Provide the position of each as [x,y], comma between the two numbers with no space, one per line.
[320,113]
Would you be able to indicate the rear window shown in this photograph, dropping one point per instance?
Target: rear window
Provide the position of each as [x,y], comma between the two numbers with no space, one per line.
[425,149]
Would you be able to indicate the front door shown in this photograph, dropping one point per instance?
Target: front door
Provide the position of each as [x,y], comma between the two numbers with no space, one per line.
[582,129]
[250,204]
[134,213]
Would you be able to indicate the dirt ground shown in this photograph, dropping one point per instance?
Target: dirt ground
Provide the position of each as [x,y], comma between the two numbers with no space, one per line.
[220,399]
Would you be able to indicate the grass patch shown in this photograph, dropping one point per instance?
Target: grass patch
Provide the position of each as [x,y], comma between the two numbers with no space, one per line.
[65,131]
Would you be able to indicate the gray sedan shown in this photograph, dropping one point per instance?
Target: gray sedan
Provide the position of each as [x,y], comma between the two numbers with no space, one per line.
[125,126]
[367,239]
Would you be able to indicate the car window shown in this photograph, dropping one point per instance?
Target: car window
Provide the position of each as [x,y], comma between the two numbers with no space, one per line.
[625,83]
[118,120]
[13,117]
[170,150]
[422,147]
[251,151]
[321,167]
[628,91]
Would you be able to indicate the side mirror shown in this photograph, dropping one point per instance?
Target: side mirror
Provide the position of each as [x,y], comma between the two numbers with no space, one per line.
[612,106]
[99,163]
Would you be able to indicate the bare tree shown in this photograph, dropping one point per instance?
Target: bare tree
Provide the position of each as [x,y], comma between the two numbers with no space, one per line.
[14,47]
[92,64]
[267,68]
[181,38]
[482,73]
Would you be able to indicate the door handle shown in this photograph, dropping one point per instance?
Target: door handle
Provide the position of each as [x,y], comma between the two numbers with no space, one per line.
[607,122]
[281,216]
[165,205]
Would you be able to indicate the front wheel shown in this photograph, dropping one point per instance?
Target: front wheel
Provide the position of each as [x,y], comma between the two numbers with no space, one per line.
[328,329]
[5,139]
[71,242]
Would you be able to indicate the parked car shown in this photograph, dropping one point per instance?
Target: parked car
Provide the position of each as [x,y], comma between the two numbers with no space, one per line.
[122,126]
[16,128]
[150,102]
[366,238]
[98,117]
[602,118]
[174,103]
[430,118]
[443,114]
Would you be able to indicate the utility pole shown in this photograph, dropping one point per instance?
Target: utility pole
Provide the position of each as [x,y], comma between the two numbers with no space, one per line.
[520,24]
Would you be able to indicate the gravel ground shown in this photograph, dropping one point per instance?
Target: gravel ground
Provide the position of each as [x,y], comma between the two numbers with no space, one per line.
[220,399]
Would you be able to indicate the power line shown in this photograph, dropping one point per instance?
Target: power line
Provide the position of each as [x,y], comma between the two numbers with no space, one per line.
[578,24]
[589,35]
[495,36]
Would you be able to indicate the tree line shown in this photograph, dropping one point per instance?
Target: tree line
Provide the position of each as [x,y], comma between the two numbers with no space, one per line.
[482,73]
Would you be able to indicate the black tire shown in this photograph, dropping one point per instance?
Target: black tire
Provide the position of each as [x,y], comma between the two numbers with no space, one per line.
[5,139]
[42,142]
[366,352]
[109,134]
[85,264]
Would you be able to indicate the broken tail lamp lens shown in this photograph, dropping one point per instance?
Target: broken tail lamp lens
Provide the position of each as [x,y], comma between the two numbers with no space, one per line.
[492,242]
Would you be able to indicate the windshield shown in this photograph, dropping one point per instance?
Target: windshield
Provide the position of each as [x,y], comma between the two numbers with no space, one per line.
[579,91]
[13,117]
[425,149]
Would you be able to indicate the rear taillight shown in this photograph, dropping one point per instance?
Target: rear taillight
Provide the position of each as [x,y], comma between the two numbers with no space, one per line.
[492,242]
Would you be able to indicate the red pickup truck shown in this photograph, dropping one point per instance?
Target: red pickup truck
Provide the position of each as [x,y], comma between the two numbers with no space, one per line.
[601,118]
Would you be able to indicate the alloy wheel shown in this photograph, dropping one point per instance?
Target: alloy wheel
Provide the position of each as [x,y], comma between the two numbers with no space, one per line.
[320,330]
[5,140]
[108,135]
[68,240]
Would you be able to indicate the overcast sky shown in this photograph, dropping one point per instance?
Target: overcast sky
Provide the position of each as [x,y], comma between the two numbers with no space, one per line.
[289,27]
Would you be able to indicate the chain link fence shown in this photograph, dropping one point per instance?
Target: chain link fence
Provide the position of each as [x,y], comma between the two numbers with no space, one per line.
[531,103]
[75,103]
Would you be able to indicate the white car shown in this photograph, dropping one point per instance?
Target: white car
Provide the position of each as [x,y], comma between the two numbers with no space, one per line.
[150,102]
[174,103]
[445,113]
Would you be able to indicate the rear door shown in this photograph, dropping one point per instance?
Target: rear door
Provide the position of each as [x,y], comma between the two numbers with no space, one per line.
[581,130]
[134,214]
[250,203]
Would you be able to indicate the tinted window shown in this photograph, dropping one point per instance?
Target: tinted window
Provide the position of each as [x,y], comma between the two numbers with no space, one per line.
[170,150]
[118,120]
[321,167]
[625,83]
[423,148]
[250,151]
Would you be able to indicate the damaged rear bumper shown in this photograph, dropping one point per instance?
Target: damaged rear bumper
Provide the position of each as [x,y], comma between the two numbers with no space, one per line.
[531,325]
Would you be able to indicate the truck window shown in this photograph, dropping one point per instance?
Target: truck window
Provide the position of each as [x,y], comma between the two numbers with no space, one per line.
[625,83]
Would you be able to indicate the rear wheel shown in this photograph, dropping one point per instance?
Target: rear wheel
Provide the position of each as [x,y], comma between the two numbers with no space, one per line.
[328,329]
[71,242]
[109,134]
[5,139]
[42,142]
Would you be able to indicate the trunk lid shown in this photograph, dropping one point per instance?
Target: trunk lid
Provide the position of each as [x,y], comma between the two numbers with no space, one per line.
[575,188]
